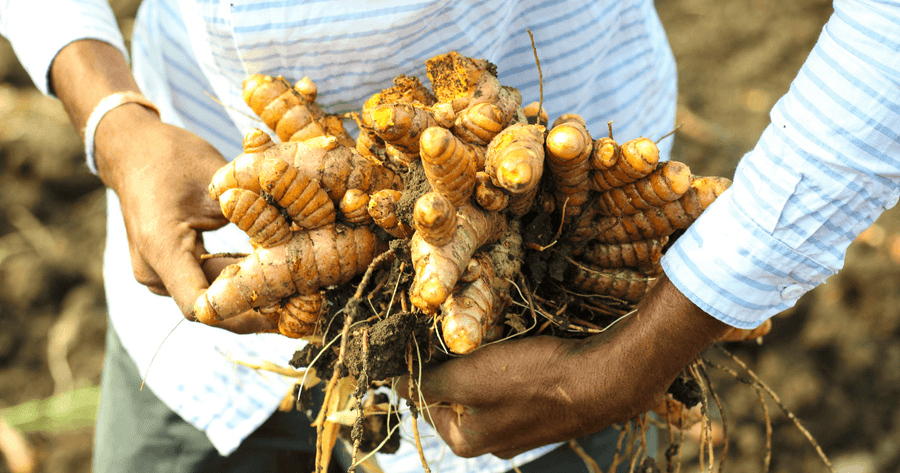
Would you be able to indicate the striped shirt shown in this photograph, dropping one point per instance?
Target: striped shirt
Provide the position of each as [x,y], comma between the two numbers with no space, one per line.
[825,168]
[821,173]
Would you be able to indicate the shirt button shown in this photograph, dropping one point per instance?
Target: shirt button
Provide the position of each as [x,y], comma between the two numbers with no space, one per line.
[891,202]
[793,291]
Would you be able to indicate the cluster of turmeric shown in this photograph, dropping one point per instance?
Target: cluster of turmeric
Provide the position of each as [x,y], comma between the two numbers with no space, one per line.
[312,202]
[454,175]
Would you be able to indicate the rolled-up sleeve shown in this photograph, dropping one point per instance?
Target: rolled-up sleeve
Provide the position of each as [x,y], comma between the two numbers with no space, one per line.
[826,167]
[39,29]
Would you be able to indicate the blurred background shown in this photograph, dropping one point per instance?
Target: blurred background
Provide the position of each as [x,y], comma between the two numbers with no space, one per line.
[834,359]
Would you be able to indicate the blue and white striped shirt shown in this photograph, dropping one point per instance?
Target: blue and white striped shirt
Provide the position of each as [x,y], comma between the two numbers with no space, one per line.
[820,175]
[826,167]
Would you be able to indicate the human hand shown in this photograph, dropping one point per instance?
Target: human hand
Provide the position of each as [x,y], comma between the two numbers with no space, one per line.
[519,395]
[160,174]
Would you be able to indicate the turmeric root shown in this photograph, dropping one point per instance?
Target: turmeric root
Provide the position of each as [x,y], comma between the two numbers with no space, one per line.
[435,218]
[449,164]
[667,183]
[307,261]
[569,147]
[473,314]
[487,195]
[438,268]
[515,162]
[635,159]
[406,90]
[735,334]
[242,171]
[355,207]
[643,253]
[465,312]
[298,317]
[658,222]
[401,125]
[382,208]
[624,284]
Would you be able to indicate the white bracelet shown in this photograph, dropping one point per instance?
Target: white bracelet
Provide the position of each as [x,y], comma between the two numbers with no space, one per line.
[103,107]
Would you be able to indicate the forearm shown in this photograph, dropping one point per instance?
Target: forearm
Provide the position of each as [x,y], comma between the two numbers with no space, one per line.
[85,72]
[647,351]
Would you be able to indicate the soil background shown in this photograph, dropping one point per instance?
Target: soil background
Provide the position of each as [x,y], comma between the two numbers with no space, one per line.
[834,359]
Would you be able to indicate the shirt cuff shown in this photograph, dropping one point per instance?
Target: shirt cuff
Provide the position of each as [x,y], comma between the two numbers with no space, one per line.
[722,264]
[39,30]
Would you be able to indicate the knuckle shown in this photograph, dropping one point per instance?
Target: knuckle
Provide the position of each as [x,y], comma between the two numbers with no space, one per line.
[464,450]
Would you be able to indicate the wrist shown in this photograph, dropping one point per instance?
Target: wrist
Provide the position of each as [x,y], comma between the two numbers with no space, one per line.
[103,108]
[644,353]
[120,142]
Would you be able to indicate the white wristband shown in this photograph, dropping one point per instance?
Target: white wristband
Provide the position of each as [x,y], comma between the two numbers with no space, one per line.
[103,107]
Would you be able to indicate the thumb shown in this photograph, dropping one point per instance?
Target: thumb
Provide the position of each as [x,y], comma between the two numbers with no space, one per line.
[181,272]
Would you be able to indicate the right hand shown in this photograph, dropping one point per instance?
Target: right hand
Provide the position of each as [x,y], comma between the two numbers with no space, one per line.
[160,173]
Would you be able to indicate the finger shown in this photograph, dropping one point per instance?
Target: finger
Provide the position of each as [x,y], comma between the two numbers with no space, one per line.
[249,322]
[180,269]
[447,422]
[507,454]
[213,266]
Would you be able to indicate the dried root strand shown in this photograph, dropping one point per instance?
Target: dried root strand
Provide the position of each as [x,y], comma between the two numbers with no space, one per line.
[450,164]
[435,218]
[533,116]
[667,183]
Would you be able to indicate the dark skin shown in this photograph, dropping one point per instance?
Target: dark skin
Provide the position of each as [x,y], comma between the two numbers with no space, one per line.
[527,393]
[517,395]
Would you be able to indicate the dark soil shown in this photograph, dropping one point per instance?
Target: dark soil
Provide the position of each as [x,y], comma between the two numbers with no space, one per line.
[833,359]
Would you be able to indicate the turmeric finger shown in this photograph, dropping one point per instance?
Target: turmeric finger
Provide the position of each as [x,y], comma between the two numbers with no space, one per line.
[438,268]
[251,213]
[449,164]
[624,284]
[569,148]
[355,207]
[382,208]
[636,159]
[667,183]
[435,218]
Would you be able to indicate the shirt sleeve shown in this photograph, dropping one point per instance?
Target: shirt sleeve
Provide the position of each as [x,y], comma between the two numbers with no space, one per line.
[826,167]
[39,29]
